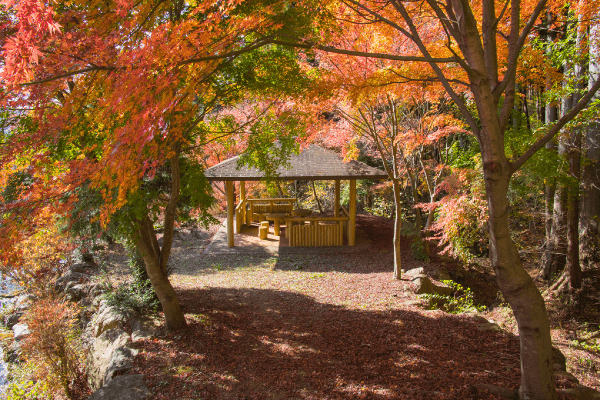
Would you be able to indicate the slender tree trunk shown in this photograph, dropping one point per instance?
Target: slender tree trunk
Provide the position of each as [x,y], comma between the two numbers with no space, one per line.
[554,259]
[397,228]
[550,115]
[316,197]
[590,208]
[573,265]
[279,189]
[572,271]
[550,189]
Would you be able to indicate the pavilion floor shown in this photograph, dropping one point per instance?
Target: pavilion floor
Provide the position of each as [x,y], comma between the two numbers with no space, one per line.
[248,242]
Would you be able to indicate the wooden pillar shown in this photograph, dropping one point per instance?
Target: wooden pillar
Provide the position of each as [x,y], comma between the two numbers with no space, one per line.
[230,212]
[242,218]
[352,211]
[336,211]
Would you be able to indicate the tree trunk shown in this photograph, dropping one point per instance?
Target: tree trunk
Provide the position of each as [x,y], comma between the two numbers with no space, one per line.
[550,116]
[397,227]
[573,267]
[156,258]
[519,290]
[554,258]
[316,197]
[590,206]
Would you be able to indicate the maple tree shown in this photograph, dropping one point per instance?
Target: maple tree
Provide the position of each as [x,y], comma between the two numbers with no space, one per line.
[114,102]
[474,47]
[398,133]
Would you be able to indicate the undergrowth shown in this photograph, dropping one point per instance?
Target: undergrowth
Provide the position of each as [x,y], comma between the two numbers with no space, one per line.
[460,301]
[52,353]
[136,296]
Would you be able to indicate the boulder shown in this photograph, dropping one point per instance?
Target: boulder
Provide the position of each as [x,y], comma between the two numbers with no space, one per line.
[95,290]
[107,318]
[413,273]
[124,387]
[83,268]
[20,331]
[23,302]
[70,276]
[11,320]
[13,353]
[100,363]
[142,328]
[439,274]
[425,286]
[121,360]
[76,291]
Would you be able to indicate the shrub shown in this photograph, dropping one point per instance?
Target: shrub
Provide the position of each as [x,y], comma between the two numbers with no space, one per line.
[459,302]
[27,390]
[136,296]
[53,348]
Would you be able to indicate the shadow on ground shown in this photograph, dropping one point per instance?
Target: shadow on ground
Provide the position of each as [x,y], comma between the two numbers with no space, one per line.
[270,344]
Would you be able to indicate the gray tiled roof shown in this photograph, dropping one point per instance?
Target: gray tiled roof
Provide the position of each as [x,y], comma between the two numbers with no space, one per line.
[313,163]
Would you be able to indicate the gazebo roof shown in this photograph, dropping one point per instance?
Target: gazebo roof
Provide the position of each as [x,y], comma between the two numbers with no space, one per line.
[313,163]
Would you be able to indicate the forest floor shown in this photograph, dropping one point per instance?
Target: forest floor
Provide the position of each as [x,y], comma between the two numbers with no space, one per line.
[333,325]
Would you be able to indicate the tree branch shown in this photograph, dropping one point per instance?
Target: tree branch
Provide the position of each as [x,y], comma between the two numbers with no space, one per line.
[514,166]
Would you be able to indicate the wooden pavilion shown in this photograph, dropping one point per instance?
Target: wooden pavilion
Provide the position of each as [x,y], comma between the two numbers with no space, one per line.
[313,163]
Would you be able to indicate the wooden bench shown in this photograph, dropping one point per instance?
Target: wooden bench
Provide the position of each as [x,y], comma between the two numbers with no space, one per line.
[259,208]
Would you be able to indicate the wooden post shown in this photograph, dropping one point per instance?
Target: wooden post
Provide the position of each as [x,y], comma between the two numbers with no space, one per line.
[352,211]
[230,206]
[243,198]
[336,211]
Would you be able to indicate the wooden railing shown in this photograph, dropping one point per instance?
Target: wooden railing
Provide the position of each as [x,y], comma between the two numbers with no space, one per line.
[260,207]
[240,215]
[320,231]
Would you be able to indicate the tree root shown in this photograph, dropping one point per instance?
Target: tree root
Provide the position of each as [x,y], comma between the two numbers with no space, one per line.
[505,392]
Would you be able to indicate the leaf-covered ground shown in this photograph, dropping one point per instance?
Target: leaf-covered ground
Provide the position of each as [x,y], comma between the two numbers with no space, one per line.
[318,325]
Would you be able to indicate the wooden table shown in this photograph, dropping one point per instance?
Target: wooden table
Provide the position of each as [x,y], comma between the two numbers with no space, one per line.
[301,212]
[277,218]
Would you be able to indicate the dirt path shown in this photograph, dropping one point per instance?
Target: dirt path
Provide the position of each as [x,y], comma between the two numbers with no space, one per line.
[318,326]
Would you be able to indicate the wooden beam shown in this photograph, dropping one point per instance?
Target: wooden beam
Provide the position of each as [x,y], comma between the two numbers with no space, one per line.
[230,212]
[336,211]
[352,222]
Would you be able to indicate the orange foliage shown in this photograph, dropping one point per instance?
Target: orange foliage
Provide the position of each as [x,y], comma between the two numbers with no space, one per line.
[53,347]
